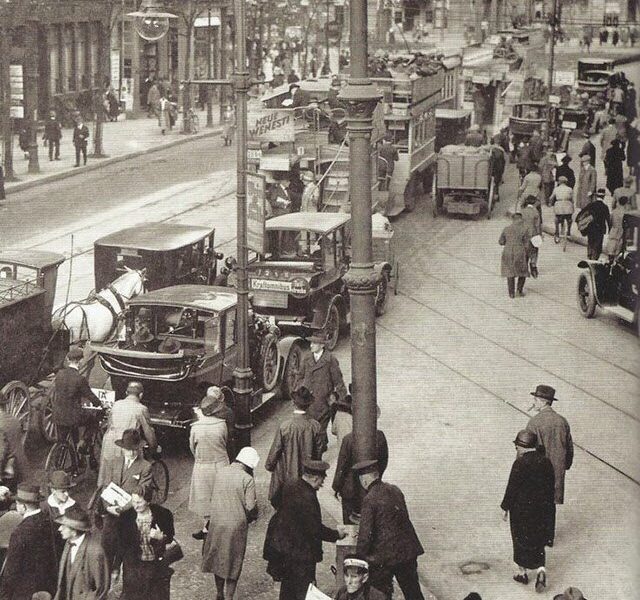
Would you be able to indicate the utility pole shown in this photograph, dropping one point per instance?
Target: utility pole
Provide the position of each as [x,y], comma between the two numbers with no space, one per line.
[552,49]
[361,97]
[31,93]
[209,70]
[326,38]
[223,58]
[242,375]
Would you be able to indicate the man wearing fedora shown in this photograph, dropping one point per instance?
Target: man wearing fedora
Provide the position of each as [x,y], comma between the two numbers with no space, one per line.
[320,373]
[129,472]
[528,503]
[296,438]
[30,564]
[293,543]
[56,504]
[571,593]
[554,436]
[128,413]
[386,536]
[84,569]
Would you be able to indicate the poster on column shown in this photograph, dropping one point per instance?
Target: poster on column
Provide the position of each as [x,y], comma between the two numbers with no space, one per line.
[256,213]
[17,91]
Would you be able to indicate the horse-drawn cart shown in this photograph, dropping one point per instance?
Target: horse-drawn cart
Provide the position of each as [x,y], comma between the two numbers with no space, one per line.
[464,183]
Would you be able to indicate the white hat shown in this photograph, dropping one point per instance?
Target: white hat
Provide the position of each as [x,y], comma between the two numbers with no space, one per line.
[248,457]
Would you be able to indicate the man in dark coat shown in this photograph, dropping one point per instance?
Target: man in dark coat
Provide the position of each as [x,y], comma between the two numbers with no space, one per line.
[80,137]
[528,502]
[345,481]
[71,392]
[293,544]
[564,170]
[588,149]
[296,439]
[53,135]
[386,537]
[298,96]
[514,263]
[84,571]
[320,373]
[554,438]
[387,157]
[536,147]
[600,224]
[613,162]
[30,565]
[356,581]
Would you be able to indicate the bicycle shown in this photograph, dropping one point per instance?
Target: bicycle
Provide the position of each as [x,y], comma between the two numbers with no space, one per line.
[65,456]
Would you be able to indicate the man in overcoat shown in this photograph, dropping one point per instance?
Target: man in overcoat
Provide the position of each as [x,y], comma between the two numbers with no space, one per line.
[554,436]
[587,182]
[80,140]
[528,503]
[600,224]
[345,481]
[30,564]
[320,373]
[588,149]
[297,438]
[84,569]
[386,537]
[53,135]
[293,544]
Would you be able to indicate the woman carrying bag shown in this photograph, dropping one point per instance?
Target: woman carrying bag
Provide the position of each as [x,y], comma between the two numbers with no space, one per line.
[145,535]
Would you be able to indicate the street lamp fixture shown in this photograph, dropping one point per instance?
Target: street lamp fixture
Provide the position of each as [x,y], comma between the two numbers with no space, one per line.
[151,22]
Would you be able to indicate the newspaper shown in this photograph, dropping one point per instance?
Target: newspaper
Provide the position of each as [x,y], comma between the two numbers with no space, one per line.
[313,593]
[114,495]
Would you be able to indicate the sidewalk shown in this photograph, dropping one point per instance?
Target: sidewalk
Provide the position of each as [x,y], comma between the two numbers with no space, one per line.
[123,139]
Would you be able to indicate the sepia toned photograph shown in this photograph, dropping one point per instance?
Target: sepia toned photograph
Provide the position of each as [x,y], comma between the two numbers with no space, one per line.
[319,299]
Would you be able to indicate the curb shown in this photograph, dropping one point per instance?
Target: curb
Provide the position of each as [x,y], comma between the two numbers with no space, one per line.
[25,185]
[550,229]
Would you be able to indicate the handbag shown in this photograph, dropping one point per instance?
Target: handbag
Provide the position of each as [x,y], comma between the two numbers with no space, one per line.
[583,221]
[172,553]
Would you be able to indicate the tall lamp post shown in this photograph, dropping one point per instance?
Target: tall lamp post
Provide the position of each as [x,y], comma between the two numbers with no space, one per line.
[361,98]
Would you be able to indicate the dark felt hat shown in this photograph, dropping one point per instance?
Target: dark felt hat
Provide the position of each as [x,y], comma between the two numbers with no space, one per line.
[75,354]
[131,440]
[28,493]
[571,593]
[59,480]
[526,439]
[76,518]
[315,467]
[302,398]
[365,466]
[546,392]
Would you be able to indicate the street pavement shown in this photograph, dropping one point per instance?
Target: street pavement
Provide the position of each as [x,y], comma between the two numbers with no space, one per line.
[457,359]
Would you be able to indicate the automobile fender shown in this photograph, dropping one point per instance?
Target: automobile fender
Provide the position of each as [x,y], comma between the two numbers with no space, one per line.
[284,348]
[596,272]
[321,309]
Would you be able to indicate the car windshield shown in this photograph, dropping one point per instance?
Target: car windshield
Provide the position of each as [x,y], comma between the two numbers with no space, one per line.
[294,245]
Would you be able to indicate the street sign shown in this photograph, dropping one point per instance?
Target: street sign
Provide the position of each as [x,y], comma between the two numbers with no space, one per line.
[254,154]
[17,91]
[106,397]
[564,78]
[256,212]
[271,125]
[115,68]
[554,99]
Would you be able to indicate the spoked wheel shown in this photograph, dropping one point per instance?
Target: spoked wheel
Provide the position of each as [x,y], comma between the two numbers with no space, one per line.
[49,428]
[62,457]
[159,481]
[95,450]
[16,396]
[382,294]
[269,362]
[586,296]
[331,331]
[292,370]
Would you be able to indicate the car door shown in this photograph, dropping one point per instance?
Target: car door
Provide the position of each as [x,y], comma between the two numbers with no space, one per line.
[230,343]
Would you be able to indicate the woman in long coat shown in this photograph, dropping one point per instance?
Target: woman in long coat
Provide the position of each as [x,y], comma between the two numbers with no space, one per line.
[208,443]
[616,231]
[514,264]
[528,502]
[233,507]
[613,160]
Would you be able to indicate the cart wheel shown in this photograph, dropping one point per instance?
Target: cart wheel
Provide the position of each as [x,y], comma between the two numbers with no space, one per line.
[49,428]
[16,396]
[490,198]
[331,331]
[396,277]
[269,362]
[382,294]
[292,370]
[62,457]
[159,481]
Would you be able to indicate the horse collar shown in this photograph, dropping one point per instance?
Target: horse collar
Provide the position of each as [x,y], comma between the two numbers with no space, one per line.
[117,296]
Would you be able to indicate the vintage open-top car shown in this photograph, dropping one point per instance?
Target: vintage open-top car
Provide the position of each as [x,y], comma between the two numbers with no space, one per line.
[613,286]
[526,118]
[170,253]
[182,339]
[299,279]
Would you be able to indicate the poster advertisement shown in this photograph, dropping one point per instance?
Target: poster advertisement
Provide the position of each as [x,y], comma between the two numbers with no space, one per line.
[17,91]
[271,125]
[256,213]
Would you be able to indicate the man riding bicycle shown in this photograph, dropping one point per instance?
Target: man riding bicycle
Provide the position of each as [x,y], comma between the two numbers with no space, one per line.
[71,392]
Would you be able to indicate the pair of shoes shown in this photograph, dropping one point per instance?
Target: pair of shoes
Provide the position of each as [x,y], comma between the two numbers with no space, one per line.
[199,535]
[520,578]
[541,581]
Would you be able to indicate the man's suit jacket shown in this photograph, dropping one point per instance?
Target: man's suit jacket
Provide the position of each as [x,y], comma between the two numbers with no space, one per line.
[138,474]
[71,389]
[386,536]
[321,378]
[80,135]
[88,577]
[30,565]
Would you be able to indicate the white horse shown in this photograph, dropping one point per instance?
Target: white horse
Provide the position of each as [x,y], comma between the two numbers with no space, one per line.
[95,319]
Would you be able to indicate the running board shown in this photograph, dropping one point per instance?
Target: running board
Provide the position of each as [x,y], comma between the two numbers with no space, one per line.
[624,313]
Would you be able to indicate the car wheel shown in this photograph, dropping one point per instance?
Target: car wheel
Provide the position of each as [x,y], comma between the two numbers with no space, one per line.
[292,370]
[269,362]
[331,331]
[382,294]
[586,296]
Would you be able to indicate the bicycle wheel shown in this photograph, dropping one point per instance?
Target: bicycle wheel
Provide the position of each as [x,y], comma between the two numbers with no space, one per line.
[160,481]
[62,457]
[96,449]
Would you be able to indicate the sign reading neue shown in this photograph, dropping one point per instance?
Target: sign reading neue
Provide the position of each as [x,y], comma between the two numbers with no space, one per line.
[271,125]
[256,214]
